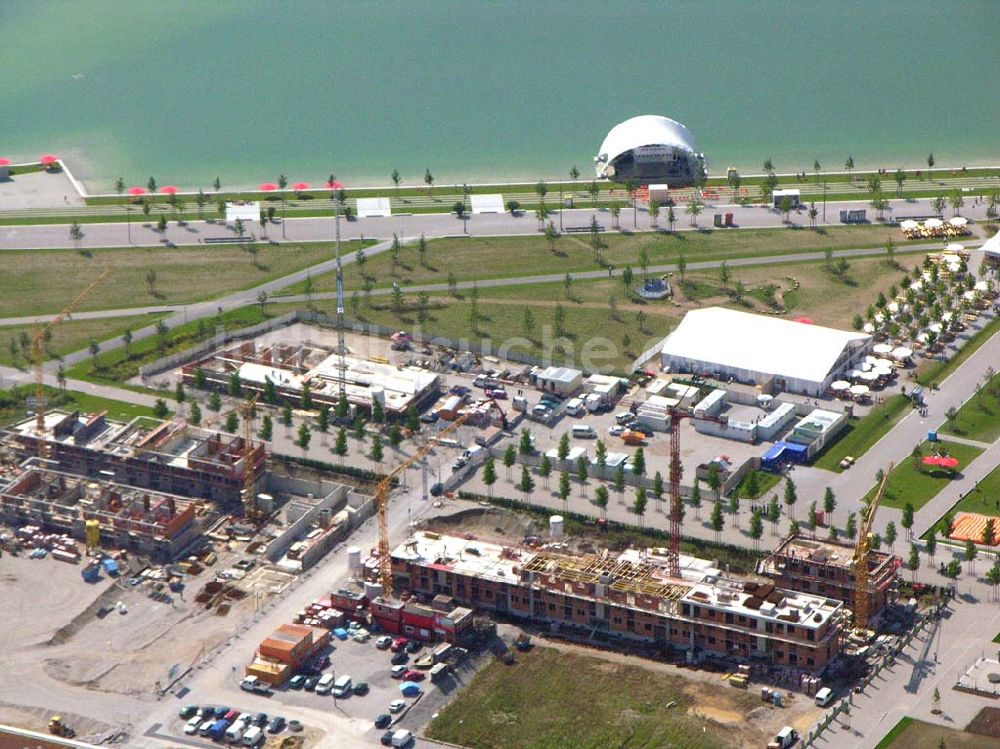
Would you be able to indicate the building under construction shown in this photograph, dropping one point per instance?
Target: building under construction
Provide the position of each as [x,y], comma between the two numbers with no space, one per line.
[160,526]
[165,456]
[629,596]
[291,368]
[824,567]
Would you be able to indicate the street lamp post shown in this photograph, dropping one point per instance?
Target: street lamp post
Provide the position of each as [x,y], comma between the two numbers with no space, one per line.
[824,200]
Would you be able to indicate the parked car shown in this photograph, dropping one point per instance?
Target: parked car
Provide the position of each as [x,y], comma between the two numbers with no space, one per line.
[277,724]
[342,686]
[413,646]
[400,658]
[636,427]
[429,418]
[383,721]
[361,688]
[188,711]
[260,719]
[402,738]
[459,390]
[397,706]
[616,430]
[398,644]
[397,672]
[387,738]
[311,683]
[437,489]
[232,715]
[459,464]
[297,681]
[413,675]
[192,726]
[384,642]
[322,662]
[220,712]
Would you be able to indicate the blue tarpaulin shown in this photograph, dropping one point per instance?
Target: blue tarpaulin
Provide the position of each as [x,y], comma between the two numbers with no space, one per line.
[340,633]
[110,566]
[784,452]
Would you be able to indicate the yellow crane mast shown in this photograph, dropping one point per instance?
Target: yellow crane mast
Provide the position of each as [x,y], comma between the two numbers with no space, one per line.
[861,572]
[382,502]
[36,360]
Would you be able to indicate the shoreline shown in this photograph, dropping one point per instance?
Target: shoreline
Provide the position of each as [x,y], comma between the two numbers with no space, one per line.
[80,184]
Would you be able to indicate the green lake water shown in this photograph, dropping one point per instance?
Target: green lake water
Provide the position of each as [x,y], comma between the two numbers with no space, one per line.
[190,89]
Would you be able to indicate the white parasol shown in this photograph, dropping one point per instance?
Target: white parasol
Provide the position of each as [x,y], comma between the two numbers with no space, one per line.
[859,390]
[955,247]
[882,372]
[869,376]
[933,223]
[902,353]
[908,225]
[882,349]
[839,385]
[957,221]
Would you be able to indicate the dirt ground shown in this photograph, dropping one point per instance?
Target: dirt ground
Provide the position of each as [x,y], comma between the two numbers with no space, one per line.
[51,621]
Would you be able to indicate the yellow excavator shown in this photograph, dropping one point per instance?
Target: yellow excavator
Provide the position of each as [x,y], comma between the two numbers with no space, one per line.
[57,727]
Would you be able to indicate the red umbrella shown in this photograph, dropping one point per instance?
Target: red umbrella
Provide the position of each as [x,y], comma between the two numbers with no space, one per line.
[338,185]
[137,191]
[806,320]
[49,159]
[940,460]
[268,187]
[300,186]
[4,162]
[168,190]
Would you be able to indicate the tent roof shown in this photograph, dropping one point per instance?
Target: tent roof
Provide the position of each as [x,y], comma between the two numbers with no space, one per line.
[741,340]
[645,130]
[992,245]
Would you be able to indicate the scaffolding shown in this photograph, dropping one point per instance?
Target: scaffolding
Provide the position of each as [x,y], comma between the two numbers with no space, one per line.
[618,574]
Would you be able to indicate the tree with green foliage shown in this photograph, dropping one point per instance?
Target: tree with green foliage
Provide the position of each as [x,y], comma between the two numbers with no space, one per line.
[890,535]
[179,395]
[993,577]
[232,422]
[160,409]
[582,470]
[639,462]
[714,479]
[791,497]
[525,446]
[989,538]
[971,553]
[562,451]
[339,443]
[829,504]
[734,509]
[564,488]
[717,520]
[286,416]
[323,420]
[200,378]
[756,528]
[305,398]
[851,529]
[953,569]
[601,500]
[657,487]
[509,459]
[907,520]
[195,415]
[773,514]
[412,419]
[619,482]
[752,487]
[266,428]
[812,519]
[639,504]
[378,412]
[693,208]
[270,393]
[601,457]
[395,436]
[342,409]
[214,401]
[931,543]
[377,452]
[913,562]
[526,484]
[304,438]
[235,387]
[695,498]
[489,475]
[545,469]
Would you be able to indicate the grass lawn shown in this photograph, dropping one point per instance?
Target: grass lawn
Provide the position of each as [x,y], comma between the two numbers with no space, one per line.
[936,371]
[860,434]
[983,499]
[997,638]
[915,734]
[549,699]
[116,366]
[503,257]
[14,405]
[68,336]
[765,482]
[40,282]
[979,418]
[591,337]
[906,484]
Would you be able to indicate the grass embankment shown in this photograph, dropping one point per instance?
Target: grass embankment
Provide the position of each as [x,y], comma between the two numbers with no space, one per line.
[984,499]
[915,734]
[14,404]
[473,258]
[861,434]
[936,371]
[117,366]
[67,337]
[765,482]
[913,482]
[979,417]
[38,282]
[549,699]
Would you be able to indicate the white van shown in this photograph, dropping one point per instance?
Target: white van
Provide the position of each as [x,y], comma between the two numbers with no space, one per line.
[574,407]
[325,684]
[235,732]
[583,431]
[342,686]
[206,727]
[824,696]
[402,737]
[254,737]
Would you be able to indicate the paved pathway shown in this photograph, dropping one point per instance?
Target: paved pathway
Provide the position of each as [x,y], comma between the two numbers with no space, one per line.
[431,225]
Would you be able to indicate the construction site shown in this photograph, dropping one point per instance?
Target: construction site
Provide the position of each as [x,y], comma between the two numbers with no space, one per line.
[289,370]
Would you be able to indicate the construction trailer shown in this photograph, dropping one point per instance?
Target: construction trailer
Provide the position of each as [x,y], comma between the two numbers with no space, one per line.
[169,456]
[823,567]
[628,596]
[155,524]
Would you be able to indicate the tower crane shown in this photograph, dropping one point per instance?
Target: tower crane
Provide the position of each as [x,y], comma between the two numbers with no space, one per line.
[382,502]
[861,549]
[248,493]
[36,359]
[341,345]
